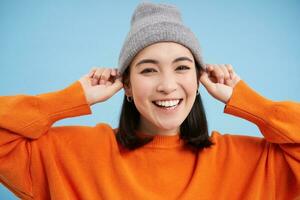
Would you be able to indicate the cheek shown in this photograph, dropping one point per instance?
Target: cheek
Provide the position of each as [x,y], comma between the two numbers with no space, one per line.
[189,84]
[141,89]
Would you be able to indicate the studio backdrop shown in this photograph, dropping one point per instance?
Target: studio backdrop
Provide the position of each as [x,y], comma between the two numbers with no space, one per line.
[47,45]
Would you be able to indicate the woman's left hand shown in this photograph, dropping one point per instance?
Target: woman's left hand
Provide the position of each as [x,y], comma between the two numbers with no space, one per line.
[219,80]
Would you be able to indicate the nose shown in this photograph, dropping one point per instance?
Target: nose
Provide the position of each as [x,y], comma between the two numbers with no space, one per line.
[167,84]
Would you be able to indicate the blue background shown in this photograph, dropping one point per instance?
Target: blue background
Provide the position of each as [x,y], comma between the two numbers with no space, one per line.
[47,45]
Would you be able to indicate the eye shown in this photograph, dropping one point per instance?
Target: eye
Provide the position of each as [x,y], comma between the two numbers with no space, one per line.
[183,67]
[148,70]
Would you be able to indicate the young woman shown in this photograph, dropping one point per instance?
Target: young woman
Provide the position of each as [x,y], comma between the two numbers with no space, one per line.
[161,149]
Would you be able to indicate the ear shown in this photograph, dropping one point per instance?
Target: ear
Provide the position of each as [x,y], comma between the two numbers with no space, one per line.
[127,88]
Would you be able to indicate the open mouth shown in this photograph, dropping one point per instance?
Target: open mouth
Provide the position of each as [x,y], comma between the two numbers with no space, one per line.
[169,104]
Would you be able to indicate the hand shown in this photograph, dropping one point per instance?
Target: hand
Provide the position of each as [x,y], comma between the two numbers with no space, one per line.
[219,80]
[100,84]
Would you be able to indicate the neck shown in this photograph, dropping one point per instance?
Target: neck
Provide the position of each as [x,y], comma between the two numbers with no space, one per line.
[157,131]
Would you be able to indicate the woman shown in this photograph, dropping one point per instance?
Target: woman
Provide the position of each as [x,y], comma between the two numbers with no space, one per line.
[161,149]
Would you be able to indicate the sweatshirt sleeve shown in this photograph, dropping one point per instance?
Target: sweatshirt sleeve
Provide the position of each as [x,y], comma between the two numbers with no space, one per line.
[279,122]
[24,118]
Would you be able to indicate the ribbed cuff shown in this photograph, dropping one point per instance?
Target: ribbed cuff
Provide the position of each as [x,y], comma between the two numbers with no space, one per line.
[69,102]
[247,104]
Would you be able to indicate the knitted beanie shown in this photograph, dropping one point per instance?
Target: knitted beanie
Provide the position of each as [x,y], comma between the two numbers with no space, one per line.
[152,23]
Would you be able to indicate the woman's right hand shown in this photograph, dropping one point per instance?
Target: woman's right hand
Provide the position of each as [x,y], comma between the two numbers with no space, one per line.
[100,84]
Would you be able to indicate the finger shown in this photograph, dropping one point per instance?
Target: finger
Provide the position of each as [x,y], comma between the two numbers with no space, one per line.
[95,80]
[108,83]
[209,67]
[218,74]
[97,75]
[105,75]
[113,72]
[117,85]
[230,70]
[92,71]
[229,67]
[206,81]
[225,72]
[113,75]
[234,75]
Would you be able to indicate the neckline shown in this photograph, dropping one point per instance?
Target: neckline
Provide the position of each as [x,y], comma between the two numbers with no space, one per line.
[163,141]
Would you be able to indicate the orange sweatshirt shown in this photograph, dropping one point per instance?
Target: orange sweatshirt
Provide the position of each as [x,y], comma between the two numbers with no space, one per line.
[38,161]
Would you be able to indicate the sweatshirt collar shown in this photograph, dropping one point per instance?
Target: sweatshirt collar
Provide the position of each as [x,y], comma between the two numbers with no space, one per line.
[163,141]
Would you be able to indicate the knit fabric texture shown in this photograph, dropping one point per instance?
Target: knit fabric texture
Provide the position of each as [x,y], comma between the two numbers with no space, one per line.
[152,23]
[41,161]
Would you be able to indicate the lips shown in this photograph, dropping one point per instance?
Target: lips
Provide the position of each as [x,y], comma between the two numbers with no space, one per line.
[167,103]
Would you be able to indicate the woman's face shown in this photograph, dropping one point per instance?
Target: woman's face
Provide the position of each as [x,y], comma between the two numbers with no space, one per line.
[163,84]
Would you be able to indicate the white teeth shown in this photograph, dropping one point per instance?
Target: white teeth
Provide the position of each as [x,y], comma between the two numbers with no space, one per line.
[167,103]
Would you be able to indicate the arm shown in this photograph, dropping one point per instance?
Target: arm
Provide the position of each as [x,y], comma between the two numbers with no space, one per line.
[277,157]
[24,118]
[32,116]
[279,122]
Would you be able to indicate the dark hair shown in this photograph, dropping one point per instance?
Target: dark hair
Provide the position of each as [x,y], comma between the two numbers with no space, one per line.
[193,130]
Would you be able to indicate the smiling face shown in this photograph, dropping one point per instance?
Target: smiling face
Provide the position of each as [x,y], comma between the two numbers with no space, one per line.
[163,84]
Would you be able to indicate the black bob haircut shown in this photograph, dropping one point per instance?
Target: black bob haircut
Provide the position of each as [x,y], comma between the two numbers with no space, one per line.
[193,130]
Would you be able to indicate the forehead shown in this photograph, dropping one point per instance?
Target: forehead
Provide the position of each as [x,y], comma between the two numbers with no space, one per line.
[163,51]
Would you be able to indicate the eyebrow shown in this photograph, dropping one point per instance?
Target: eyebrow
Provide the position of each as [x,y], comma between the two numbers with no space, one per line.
[156,62]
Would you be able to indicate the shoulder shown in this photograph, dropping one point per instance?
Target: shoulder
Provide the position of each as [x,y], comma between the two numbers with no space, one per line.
[100,133]
[229,148]
[236,141]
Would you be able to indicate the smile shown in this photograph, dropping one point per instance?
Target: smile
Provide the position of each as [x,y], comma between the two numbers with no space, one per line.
[167,103]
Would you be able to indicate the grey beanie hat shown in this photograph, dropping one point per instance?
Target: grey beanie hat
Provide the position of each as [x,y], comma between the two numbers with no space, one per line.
[152,23]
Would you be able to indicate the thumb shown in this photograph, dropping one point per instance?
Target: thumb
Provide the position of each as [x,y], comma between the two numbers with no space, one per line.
[117,85]
[204,79]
